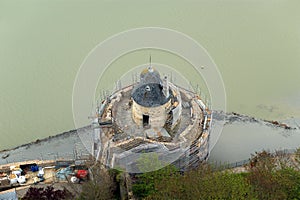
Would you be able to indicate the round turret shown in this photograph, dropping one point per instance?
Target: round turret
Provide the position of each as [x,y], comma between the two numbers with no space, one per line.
[149,100]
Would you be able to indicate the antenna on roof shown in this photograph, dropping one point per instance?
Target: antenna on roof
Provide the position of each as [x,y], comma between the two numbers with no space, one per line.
[150,69]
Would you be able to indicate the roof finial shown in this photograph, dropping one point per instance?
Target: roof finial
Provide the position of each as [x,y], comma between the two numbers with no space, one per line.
[150,69]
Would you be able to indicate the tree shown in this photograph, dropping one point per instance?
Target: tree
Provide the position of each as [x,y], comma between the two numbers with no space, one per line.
[48,193]
[155,171]
[272,177]
[289,182]
[203,183]
[101,185]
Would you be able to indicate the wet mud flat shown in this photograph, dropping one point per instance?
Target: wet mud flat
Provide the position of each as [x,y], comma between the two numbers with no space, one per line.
[66,145]
[244,135]
[241,136]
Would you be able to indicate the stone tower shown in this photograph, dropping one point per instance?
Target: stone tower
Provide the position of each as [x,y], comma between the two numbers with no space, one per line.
[151,99]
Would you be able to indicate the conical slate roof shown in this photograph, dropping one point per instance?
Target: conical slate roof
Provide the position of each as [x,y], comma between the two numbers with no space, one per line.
[149,91]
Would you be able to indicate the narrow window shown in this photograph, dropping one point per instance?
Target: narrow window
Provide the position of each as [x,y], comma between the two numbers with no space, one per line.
[145,120]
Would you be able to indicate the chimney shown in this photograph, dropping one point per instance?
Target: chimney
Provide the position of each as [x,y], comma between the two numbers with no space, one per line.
[166,87]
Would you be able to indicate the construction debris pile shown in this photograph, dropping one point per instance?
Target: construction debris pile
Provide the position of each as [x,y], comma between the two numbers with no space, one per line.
[39,172]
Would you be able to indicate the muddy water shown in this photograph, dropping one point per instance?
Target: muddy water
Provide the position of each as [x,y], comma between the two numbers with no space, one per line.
[255,44]
[243,136]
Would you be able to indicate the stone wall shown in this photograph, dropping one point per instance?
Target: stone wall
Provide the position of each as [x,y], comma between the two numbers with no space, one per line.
[157,115]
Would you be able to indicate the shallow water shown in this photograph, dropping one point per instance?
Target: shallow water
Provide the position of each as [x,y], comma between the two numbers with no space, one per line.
[255,44]
[241,139]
